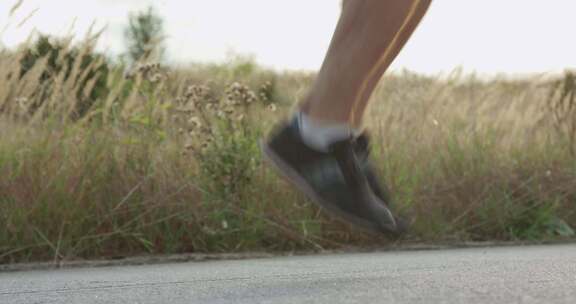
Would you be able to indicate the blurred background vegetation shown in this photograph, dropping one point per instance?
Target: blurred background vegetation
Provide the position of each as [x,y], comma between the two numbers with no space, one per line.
[111,157]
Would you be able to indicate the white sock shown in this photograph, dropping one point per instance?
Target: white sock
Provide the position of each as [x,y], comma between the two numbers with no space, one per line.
[320,135]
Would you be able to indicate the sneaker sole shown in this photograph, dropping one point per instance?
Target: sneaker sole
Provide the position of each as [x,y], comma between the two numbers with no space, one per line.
[300,183]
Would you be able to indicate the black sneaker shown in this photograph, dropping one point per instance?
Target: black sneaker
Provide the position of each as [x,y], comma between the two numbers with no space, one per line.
[362,150]
[335,180]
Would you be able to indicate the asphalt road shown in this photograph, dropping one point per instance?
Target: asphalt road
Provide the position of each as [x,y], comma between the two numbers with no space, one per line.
[542,274]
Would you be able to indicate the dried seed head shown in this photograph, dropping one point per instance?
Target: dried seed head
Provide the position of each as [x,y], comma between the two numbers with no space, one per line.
[238,94]
[156,78]
[130,74]
[205,145]
[195,122]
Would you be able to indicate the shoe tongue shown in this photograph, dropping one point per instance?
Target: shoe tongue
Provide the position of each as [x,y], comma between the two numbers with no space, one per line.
[362,145]
[349,161]
[363,140]
[341,144]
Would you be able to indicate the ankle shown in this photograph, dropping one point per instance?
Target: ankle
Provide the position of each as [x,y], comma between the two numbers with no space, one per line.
[319,135]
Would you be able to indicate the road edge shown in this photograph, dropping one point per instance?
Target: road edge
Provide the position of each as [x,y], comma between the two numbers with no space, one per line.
[206,257]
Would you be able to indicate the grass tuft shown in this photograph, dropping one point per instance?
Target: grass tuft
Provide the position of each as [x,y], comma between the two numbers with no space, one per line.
[165,160]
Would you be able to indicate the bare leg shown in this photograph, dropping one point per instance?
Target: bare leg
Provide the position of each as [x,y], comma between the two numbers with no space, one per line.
[369,36]
[315,150]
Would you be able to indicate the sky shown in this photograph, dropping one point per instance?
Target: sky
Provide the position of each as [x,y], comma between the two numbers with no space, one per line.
[488,36]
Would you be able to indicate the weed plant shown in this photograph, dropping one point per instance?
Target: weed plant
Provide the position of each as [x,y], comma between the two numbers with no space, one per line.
[97,161]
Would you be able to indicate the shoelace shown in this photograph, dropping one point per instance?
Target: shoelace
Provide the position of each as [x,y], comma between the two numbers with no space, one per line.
[347,159]
[361,146]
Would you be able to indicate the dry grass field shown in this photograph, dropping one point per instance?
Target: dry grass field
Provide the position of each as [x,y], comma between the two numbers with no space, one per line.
[100,161]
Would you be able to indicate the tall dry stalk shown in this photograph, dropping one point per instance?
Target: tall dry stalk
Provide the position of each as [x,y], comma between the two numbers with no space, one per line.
[562,106]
